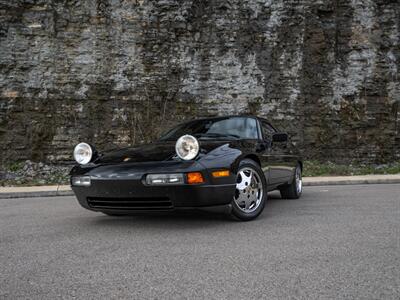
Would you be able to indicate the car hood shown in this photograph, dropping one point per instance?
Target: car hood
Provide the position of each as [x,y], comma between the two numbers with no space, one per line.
[157,151]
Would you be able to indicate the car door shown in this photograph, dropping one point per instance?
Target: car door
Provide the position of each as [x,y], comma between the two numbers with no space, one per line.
[277,157]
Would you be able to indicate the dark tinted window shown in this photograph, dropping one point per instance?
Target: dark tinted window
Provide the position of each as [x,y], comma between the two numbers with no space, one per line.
[267,130]
[235,127]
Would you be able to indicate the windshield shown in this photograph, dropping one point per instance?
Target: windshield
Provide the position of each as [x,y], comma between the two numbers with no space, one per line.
[234,128]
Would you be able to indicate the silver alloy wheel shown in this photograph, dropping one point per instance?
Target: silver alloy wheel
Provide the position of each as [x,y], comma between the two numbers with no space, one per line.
[299,181]
[249,190]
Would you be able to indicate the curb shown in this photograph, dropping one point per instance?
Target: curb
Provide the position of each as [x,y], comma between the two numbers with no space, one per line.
[35,194]
[352,182]
[65,190]
[35,191]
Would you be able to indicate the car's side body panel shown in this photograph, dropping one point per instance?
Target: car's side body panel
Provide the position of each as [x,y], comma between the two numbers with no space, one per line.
[280,158]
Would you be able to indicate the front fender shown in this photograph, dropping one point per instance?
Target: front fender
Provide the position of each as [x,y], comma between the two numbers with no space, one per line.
[228,157]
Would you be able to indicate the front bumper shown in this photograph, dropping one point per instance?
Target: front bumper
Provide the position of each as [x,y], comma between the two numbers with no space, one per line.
[117,190]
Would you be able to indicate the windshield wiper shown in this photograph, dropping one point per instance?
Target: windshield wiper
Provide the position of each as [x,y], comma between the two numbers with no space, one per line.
[216,135]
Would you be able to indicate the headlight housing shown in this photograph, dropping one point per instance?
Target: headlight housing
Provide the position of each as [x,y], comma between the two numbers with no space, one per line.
[83,153]
[187,147]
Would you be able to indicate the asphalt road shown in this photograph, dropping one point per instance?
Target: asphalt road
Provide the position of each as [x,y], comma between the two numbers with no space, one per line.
[337,242]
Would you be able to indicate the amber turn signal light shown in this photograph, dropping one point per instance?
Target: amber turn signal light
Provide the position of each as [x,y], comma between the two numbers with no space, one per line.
[221,173]
[194,177]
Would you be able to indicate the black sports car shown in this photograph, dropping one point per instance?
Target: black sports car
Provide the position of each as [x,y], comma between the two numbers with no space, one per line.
[233,160]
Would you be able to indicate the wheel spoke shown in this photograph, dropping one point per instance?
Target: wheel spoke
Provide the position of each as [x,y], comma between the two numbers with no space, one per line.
[244,182]
[254,196]
[241,198]
[246,204]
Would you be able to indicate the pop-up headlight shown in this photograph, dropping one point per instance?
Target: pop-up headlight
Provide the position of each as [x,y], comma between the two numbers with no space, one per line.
[83,153]
[187,147]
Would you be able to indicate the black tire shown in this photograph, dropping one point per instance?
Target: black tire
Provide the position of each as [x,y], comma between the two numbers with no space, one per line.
[292,191]
[259,197]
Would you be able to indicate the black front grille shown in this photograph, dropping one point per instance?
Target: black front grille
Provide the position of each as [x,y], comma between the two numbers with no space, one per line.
[153,203]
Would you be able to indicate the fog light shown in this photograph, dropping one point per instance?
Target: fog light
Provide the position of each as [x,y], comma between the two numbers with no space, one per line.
[164,179]
[80,181]
[195,177]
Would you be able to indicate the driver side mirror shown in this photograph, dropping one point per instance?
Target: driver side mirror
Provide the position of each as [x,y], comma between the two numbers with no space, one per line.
[280,137]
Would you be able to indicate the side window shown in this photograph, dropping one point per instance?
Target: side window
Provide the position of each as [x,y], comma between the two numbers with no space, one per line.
[267,130]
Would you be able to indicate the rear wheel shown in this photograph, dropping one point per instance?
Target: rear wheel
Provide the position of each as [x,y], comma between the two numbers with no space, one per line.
[293,190]
[250,193]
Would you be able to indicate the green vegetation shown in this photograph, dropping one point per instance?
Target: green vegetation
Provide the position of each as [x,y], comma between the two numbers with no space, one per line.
[54,180]
[15,166]
[316,168]
[29,173]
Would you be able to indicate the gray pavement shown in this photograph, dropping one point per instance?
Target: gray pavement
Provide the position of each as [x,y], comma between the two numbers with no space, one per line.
[336,242]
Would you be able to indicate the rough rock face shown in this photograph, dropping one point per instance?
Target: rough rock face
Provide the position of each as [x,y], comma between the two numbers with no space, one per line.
[117,72]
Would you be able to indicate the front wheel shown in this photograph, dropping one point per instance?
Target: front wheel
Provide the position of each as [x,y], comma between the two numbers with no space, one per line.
[250,193]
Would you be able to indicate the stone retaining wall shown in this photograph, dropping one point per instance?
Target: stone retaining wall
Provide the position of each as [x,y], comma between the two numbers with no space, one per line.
[117,72]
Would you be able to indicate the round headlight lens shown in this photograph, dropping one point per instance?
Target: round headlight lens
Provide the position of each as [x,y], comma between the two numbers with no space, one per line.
[187,147]
[83,153]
